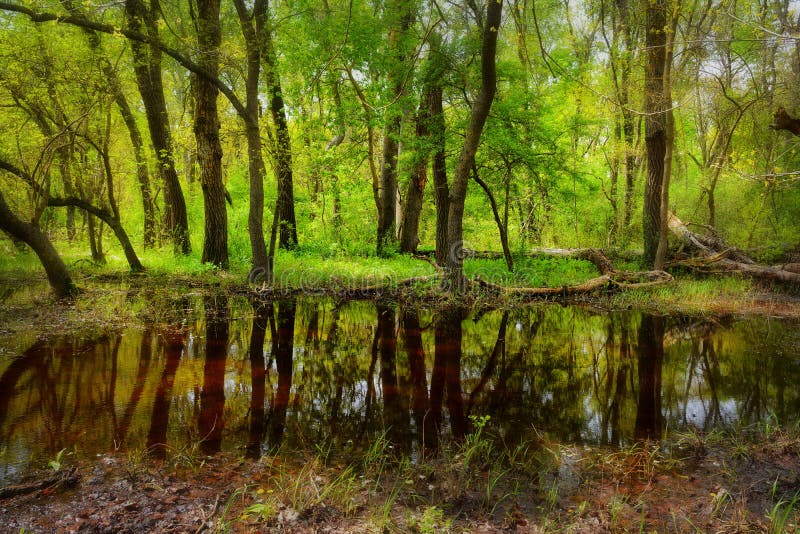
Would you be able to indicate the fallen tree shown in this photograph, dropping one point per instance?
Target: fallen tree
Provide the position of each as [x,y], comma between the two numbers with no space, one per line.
[610,279]
[710,254]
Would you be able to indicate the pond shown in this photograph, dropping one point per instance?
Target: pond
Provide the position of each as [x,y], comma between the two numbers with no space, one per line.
[315,373]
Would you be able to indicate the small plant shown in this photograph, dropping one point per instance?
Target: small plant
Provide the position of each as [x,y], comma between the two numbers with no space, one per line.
[432,521]
[783,516]
[265,510]
[55,464]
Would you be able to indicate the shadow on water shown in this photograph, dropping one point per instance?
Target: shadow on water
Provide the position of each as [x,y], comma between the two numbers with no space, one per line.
[336,375]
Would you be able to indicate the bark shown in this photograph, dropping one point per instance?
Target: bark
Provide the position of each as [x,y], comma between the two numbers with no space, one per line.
[412,208]
[31,235]
[284,204]
[387,220]
[439,168]
[256,168]
[147,68]
[480,111]
[206,131]
[655,125]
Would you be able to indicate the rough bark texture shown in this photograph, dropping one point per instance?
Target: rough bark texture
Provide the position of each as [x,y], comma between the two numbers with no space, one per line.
[655,125]
[284,205]
[147,67]
[206,131]
[480,111]
[31,235]
[412,208]
[257,171]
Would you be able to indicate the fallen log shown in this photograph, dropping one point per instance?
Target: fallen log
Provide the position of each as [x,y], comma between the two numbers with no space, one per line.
[715,256]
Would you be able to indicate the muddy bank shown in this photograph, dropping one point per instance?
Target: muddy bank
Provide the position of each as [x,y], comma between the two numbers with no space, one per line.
[710,484]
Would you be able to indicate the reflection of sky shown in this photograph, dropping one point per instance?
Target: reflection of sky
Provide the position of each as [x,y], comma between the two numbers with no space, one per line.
[559,378]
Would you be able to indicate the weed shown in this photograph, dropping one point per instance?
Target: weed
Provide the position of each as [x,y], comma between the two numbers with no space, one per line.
[432,521]
[55,464]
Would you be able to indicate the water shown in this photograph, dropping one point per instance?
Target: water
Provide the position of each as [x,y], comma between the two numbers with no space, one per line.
[315,373]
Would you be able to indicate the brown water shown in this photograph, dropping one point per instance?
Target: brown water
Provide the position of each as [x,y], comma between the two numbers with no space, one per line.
[314,373]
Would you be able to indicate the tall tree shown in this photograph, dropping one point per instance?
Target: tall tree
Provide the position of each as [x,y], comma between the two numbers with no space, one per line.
[284,204]
[148,70]
[655,125]
[480,111]
[401,15]
[251,24]
[206,131]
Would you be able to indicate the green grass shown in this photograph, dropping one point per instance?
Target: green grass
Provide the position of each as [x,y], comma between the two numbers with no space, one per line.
[315,269]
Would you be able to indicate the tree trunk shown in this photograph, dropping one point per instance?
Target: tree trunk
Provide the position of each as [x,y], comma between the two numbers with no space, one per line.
[142,174]
[412,208]
[206,131]
[257,171]
[387,221]
[147,67]
[31,235]
[480,111]
[441,189]
[112,222]
[501,227]
[284,204]
[655,125]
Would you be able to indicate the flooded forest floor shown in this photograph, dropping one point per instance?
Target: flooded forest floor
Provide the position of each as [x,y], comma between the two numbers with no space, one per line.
[744,478]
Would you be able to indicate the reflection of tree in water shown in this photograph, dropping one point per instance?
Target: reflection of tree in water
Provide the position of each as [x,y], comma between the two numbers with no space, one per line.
[649,421]
[283,352]
[210,421]
[570,372]
[262,314]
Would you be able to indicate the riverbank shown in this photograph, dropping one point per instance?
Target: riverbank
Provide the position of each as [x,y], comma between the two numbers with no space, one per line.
[746,480]
[743,478]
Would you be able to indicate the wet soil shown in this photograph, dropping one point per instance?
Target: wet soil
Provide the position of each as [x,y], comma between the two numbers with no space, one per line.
[724,488]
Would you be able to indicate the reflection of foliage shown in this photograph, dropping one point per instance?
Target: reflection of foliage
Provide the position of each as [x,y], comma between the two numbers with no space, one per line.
[559,373]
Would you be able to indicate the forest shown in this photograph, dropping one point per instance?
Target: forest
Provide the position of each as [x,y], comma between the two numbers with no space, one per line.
[399,265]
[231,132]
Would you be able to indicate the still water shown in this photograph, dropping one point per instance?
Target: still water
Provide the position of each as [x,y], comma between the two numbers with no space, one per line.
[310,372]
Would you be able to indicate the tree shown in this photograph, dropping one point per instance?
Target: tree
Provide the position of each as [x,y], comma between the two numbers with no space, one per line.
[31,235]
[284,205]
[147,66]
[206,130]
[658,131]
[478,115]
[401,16]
